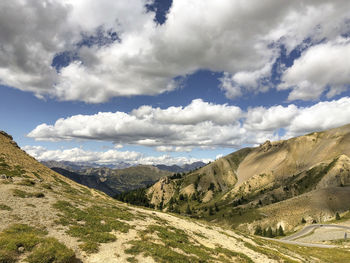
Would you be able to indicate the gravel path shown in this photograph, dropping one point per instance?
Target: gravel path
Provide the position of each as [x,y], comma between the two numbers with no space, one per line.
[308,229]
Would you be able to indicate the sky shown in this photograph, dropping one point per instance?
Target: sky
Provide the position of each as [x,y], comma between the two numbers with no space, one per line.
[169,82]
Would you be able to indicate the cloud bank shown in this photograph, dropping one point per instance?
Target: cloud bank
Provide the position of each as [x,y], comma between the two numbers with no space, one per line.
[238,37]
[107,157]
[198,125]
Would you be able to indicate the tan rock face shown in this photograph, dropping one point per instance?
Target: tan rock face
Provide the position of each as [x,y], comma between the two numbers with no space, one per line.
[161,191]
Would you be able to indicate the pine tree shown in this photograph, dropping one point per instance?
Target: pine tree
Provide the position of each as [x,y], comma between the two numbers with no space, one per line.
[216,207]
[211,212]
[337,216]
[176,210]
[269,232]
[171,208]
[280,231]
[188,210]
[303,221]
[258,231]
[264,232]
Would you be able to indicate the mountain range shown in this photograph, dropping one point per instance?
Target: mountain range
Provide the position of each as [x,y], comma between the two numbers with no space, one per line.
[46,217]
[115,181]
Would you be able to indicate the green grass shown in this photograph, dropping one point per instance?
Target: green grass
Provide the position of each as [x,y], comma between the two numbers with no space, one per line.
[26,182]
[313,177]
[50,250]
[340,242]
[47,186]
[270,253]
[327,255]
[344,217]
[37,175]
[33,240]
[5,207]
[172,238]
[8,171]
[24,194]
[93,225]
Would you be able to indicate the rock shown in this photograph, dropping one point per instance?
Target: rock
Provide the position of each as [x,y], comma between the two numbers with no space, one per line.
[20,249]
[266,146]
[3,176]
[6,135]
[103,222]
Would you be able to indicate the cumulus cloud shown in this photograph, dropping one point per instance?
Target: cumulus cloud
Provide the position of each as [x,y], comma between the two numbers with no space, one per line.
[321,116]
[324,67]
[199,124]
[107,157]
[234,36]
[246,81]
[225,126]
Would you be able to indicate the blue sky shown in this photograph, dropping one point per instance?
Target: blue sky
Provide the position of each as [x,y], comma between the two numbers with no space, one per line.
[169,82]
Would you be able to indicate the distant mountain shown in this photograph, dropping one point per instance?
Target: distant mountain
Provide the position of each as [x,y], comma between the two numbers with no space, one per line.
[181,169]
[112,181]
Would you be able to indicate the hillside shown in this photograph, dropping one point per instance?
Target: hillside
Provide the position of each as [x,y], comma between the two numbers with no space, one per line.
[45,217]
[114,181]
[277,183]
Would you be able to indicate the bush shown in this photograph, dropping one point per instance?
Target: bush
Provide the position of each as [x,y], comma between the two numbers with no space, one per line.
[303,221]
[5,207]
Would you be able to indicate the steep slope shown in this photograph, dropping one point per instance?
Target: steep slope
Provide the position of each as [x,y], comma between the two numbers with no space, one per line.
[243,186]
[114,181]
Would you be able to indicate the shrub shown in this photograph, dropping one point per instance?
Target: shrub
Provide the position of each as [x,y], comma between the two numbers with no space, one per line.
[5,207]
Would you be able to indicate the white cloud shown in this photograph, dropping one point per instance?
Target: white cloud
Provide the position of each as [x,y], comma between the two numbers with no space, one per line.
[324,67]
[107,157]
[321,116]
[270,119]
[235,36]
[246,81]
[196,125]
[225,126]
